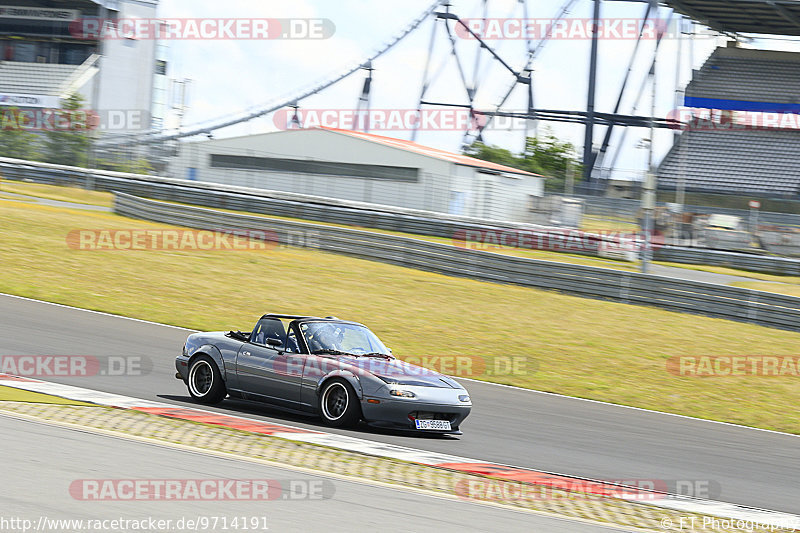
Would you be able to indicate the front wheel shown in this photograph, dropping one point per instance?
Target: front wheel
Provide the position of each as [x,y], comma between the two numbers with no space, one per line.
[338,404]
[205,381]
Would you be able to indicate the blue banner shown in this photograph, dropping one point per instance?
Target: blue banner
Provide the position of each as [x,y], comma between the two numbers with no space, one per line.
[740,105]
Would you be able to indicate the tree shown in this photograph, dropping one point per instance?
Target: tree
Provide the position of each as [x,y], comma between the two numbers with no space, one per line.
[69,141]
[542,155]
[15,141]
[134,166]
[494,154]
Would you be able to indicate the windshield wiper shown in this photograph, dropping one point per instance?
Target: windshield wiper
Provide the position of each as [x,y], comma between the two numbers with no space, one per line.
[377,354]
[328,351]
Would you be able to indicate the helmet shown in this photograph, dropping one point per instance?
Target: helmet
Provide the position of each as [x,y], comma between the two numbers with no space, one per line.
[327,336]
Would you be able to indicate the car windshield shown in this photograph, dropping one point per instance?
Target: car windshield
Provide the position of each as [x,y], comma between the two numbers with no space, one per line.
[339,337]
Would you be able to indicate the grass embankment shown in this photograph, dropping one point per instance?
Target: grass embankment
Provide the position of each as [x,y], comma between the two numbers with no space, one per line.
[76,195]
[592,223]
[790,290]
[52,192]
[582,347]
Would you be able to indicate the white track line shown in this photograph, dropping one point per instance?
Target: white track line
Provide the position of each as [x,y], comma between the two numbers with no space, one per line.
[297,433]
[95,312]
[555,394]
[642,409]
[310,471]
[353,444]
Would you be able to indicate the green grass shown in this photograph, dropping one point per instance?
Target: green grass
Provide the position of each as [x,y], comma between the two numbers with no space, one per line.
[52,192]
[11,394]
[77,195]
[606,224]
[778,279]
[543,255]
[580,347]
[779,288]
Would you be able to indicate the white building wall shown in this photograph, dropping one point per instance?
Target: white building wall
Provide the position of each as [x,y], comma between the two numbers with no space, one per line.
[442,186]
[462,197]
[318,145]
[127,70]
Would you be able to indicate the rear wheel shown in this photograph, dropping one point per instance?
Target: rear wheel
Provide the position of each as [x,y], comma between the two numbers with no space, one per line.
[338,404]
[205,381]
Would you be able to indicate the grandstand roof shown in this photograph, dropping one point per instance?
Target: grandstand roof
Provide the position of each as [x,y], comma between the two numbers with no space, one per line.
[760,163]
[772,17]
[747,79]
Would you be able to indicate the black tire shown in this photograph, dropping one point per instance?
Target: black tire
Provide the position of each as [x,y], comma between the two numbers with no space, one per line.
[338,404]
[205,381]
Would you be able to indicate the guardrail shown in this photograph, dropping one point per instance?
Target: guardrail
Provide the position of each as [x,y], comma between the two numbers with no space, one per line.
[277,203]
[335,211]
[741,261]
[733,303]
[626,207]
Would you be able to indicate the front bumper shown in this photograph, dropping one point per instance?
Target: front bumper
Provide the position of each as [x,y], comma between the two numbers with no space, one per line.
[182,367]
[395,413]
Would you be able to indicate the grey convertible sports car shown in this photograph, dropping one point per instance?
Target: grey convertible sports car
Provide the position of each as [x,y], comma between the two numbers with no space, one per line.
[337,369]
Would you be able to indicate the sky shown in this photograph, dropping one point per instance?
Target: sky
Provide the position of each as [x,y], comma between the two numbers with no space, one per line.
[231,76]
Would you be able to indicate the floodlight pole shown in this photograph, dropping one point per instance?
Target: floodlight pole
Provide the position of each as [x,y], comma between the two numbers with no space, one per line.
[588,156]
[649,189]
[363,108]
[680,193]
[676,136]
[677,225]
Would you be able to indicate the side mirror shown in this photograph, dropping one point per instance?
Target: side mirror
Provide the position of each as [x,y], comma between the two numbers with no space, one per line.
[274,342]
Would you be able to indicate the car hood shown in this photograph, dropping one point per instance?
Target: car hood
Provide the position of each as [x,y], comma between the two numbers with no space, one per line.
[397,371]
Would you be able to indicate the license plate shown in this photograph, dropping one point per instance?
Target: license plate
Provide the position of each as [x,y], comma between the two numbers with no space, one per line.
[442,425]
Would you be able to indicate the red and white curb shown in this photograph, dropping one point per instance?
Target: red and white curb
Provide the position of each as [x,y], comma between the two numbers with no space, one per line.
[430,458]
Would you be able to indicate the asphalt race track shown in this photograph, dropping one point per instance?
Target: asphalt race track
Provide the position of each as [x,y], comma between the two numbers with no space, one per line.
[511,426]
[40,478]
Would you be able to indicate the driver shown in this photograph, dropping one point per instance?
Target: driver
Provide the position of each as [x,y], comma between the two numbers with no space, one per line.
[326,338]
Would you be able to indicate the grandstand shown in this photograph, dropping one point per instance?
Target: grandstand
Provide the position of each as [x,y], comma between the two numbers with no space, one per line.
[742,146]
[755,163]
[44,59]
[747,80]
[51,81]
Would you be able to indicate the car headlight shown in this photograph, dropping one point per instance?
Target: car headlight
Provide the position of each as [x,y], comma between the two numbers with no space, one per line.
[402,393]
[403,381]
[463,398]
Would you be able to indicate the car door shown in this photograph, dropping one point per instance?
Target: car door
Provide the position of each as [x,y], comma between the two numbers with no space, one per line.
[265,369]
